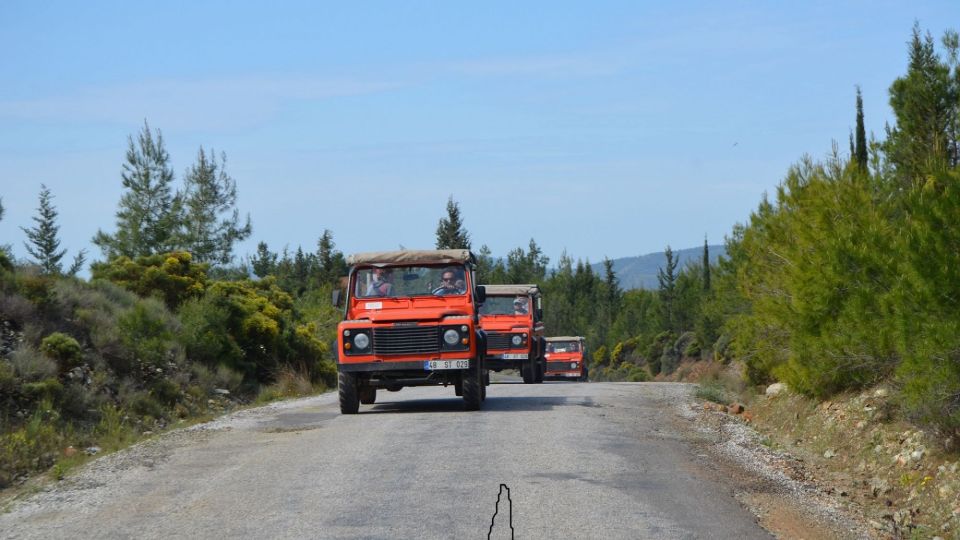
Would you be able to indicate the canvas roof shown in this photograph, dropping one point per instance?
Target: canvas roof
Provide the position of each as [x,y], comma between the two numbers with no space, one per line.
[565,338]
[512,290]
[419,256]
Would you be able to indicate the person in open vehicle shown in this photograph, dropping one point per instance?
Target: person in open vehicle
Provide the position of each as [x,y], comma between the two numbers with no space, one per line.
[382,283]
[520,306]
[449,283]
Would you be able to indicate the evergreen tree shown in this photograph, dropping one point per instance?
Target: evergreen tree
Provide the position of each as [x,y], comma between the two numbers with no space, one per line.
[44,245]
[925,103]
[450,231]
[264,262]
[211,223]
[612,284]
[332,265]
[860,146]
[706,264]
[667,278]
[148,213]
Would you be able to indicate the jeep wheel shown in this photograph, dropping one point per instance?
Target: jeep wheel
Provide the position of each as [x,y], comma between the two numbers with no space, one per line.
[472,386]
[349,400]
[541,371]
[368,394]
[486,383]
[527,370]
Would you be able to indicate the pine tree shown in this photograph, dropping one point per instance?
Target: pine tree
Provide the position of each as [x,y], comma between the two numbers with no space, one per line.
[925,104]
[149,209]
[450,231]
[860,146]
[264,263]
[44,245]
[211,223]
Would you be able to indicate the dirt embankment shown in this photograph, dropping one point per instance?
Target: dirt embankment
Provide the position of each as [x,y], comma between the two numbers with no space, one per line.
[854,452]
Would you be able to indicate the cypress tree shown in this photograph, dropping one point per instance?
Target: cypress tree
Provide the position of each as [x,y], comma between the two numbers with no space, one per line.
[450,231]
[667,278]
[861,141]
[706,264]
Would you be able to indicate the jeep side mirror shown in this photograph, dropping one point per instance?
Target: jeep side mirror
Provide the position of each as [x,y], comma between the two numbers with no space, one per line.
[335,297]
[481,294]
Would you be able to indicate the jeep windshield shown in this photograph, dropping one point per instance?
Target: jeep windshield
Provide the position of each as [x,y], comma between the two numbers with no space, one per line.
[563,346]
[409,281]
[505,305]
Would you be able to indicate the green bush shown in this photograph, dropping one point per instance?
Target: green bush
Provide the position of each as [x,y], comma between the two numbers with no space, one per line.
[173,277]
[63,348]
[637,374]
[147,332]
[31,448]
[166,392]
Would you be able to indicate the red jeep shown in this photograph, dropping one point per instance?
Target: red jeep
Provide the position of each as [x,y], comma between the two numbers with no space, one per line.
[410,319]
[566,358]
[511,316]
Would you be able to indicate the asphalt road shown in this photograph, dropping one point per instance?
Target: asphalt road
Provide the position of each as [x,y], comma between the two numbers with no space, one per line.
[597,460]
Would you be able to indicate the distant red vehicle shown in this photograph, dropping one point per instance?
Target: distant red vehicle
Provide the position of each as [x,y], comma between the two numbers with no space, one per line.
[512,318]
[567,358]
[410,319]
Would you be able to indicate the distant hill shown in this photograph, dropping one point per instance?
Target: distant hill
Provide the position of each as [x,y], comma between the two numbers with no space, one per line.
[641,272]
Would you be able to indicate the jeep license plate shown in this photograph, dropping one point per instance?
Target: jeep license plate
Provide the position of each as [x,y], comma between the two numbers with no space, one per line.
[514,356]
[431,365]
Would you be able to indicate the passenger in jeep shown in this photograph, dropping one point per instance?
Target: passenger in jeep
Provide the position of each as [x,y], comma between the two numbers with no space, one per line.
[448,284]
[382,283]
[520,306]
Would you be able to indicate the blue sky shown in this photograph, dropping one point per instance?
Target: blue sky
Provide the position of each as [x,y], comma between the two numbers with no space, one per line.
[603,128]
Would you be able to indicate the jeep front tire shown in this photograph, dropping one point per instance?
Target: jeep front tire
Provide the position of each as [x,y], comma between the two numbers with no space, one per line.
[349,397]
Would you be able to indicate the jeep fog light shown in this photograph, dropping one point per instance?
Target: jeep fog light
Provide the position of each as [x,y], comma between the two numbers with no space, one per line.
[361,341]
[516,340]
[451,337]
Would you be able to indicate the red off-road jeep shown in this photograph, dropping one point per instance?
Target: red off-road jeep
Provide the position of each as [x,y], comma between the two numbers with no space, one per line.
[511,316]
[567,358]
[410,319]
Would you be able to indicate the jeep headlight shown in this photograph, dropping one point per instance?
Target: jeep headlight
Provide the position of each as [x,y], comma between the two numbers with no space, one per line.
[361,341]
[451,337]
[516,340]
[573,365]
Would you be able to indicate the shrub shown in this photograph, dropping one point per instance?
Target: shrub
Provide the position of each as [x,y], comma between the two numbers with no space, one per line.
[637,374]
[16,308]
[62,348]
[173,277]
[147,333]
[31,366]
[165,391]
[712,391]
[30,448]
[600,355]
